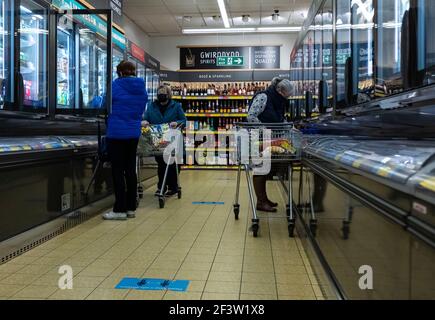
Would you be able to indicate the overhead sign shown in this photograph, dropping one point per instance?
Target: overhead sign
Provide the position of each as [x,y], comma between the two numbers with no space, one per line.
[137,52]
[266,57]
[230,61]
[207,58]
[257,57]
[115,5]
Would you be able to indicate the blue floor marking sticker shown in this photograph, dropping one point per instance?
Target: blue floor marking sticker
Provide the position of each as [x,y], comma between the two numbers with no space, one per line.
[208,203]
[153,284]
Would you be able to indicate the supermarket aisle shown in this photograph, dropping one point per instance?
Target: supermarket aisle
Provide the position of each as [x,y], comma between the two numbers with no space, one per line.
[200,243]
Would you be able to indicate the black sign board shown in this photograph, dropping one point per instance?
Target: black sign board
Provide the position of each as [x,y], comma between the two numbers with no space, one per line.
[152,62]
[266,57]
[223,76]
[115,5]
[206,58]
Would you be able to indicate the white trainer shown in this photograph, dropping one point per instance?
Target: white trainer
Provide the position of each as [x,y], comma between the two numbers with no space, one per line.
[131,214]
[114,216]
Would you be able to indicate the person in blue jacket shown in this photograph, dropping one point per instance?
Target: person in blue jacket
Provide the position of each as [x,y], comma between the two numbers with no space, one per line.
[129,98]
[165,110]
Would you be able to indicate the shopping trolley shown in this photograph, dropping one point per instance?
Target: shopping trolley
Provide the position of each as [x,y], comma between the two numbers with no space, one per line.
[153,142]
[258,143]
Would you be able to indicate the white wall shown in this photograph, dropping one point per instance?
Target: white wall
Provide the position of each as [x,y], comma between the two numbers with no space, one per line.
[136,34]
[165,48]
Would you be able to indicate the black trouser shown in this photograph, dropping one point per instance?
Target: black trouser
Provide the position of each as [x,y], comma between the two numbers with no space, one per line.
[171,179]
[122,155]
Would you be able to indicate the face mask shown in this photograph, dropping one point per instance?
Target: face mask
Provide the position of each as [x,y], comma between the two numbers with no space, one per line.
[162,98]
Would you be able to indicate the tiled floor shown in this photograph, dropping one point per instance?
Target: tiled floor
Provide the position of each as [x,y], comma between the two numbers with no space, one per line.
[200,243]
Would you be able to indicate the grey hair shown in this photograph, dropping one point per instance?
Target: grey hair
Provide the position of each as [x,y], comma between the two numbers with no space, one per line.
[283,85]
[167,89]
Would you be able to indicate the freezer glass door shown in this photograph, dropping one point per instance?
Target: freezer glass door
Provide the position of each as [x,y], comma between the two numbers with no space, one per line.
[117,58]
[33,30]
[101,68]
[87,68]
[65,69]
[6,52]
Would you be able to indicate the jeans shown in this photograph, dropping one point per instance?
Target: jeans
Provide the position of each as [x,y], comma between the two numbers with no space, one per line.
[122,155]
[171,179]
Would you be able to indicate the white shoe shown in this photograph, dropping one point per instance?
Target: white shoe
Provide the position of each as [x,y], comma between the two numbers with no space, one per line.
[114,216]
[131,214]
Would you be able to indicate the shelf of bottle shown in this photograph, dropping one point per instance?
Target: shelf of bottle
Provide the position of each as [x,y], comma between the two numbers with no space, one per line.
[209,167]
[217,115]
[210,149]
[221,132]
[212,97]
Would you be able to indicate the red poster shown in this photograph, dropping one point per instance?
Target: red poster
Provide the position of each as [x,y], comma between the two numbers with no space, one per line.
[137,52]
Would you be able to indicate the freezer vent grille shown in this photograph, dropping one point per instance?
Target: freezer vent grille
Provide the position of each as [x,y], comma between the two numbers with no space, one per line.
[72,220]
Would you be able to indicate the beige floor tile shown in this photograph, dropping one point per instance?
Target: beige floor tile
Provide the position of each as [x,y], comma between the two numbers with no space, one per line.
[290,269]
[246,296]
[111,282]
[107,294]
[299,290]
[160,274]
[182,296]
[11,267]
[79,262]
[192,275]
[196,266]
[225,276]
[74,294]
[24,259]
[37,252]
[284,278]
[220,296]
[5,275]
[202,250]
[34,269]
[38,292]
[144,295]
[8,290]
[258,288]
[258,267]
[47,280]
[258,277]
[19,279]
[199,258]
[222,286]
[45,261]
[97,271]
[81,281]
[222,267]
[293,298]
[195,285]
[229,259]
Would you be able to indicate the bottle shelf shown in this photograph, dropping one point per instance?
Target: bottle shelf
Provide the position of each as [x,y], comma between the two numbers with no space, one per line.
[210,149]
[209,167]
[222,132]
[217,115]
[212,97]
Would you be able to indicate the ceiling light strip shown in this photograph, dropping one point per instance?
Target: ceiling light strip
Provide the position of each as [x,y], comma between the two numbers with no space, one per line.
[224,13]
[242,30]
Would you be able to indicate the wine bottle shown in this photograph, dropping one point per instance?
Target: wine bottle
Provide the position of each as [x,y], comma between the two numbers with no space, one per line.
[244,90]
[240,89]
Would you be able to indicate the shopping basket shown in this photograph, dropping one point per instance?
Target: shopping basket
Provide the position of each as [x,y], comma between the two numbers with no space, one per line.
[263,148]
[153,142]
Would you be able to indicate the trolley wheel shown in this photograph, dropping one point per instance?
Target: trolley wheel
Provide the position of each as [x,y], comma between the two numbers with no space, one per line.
[291,229]
[313,227]
[255,228]
[161,203]
[179,194]
[346,230]
[236,211]
[140,191]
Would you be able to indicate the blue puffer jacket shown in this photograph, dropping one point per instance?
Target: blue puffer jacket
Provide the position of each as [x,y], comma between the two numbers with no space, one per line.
[174,113]
[129,99]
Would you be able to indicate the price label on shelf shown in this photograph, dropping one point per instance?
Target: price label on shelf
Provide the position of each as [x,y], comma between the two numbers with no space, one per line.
[428,184]
[384,172]
[357,163]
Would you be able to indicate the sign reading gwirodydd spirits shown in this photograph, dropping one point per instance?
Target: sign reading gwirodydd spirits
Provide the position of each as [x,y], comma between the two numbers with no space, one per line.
[202,58]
